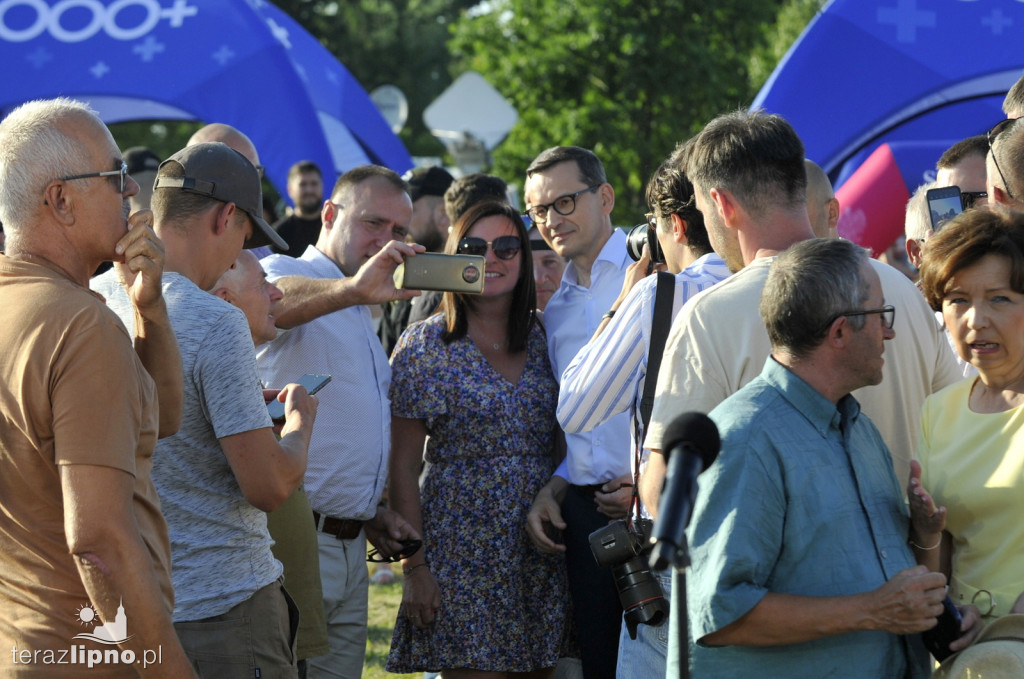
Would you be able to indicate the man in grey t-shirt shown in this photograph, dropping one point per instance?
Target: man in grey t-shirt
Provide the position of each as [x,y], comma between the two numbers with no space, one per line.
[223,469]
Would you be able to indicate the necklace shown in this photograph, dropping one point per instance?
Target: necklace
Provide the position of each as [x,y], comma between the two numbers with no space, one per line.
[494,345]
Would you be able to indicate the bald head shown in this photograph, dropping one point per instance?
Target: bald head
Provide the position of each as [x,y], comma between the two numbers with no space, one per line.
[226,134]
[245,286]
[822,206]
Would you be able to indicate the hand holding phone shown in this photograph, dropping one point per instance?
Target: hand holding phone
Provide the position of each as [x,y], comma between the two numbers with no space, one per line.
[943,204]
[938,638]
[312,384]
[434,271]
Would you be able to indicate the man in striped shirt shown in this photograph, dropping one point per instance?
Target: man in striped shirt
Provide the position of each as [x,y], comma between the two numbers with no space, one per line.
[608,374]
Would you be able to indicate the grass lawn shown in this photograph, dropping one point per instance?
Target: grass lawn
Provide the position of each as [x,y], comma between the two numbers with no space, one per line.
[384,600]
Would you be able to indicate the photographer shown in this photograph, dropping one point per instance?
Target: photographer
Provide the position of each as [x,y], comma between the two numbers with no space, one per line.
[615,360]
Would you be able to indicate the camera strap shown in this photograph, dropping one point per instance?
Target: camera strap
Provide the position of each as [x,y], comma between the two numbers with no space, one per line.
[661,322]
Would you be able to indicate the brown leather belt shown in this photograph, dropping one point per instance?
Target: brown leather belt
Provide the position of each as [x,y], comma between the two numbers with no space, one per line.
[343,529]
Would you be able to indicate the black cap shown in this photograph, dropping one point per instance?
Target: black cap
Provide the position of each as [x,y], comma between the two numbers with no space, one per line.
[141,159]
[537,241]
[216,170]
[427,181]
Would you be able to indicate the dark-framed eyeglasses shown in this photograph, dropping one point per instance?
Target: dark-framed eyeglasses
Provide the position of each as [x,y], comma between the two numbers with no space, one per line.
[991,136]
[969,198]
[121,173]
[652,220]
[504,247]
[888,313]
[563,205]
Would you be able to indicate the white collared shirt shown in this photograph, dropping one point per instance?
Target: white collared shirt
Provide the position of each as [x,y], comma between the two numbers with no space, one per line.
[571,318]
[608,375]
[348,453]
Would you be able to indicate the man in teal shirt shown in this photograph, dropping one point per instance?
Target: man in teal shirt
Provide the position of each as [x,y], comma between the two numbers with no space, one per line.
[799,535]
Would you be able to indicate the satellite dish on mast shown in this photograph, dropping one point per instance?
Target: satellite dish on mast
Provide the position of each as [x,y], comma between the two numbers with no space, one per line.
[393,105]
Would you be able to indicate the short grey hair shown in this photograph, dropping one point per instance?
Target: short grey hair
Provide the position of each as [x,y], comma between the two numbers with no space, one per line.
[33,152]
[918,221]
[809,285]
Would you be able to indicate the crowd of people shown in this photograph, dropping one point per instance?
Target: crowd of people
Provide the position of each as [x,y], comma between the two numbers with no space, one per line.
[157,521]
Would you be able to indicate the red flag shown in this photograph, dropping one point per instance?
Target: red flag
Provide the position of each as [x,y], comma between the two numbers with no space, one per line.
[873,202]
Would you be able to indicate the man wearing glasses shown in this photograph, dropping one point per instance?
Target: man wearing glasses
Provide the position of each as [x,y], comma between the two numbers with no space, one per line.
[570,202]
[81,531]
[800,563]
[749,179]
[1005,163]
[963,165]
[609,374]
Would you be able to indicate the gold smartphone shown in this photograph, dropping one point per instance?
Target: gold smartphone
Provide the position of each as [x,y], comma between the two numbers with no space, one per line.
[433,271]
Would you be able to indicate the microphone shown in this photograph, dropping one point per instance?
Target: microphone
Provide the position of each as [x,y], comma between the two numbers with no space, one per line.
[693,444]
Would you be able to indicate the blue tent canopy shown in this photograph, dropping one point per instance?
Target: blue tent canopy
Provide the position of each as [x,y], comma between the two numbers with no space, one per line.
[241,62]
[866,73]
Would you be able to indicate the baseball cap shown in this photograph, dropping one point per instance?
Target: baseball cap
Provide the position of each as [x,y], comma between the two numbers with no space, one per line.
[218,171]
[141,159]
[537,241]
[427,181]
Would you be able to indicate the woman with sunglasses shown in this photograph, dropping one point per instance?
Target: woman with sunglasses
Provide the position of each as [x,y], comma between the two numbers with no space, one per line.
[967,490]
[474,383]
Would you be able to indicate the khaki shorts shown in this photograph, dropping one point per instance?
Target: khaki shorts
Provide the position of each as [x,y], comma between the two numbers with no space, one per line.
[256,638]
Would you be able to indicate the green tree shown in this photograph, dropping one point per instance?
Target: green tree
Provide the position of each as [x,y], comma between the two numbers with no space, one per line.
[793,17]
[627,79]
[397,42]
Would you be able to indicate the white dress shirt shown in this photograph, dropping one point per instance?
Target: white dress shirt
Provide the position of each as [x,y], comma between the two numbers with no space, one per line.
[608,375]
[571,318]
[348,453]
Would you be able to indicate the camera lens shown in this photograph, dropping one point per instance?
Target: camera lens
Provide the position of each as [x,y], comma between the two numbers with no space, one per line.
[639,591]
[640,595]
[635,239]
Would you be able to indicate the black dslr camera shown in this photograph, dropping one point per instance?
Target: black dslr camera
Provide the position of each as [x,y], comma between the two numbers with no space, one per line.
[624,549]
[635,239]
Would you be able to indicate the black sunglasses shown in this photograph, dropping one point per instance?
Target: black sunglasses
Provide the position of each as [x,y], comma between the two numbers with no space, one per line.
[969,198]
[409,547]
[505,247]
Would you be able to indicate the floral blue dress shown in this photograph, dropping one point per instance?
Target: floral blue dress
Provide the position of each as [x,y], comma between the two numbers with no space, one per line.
[503,603]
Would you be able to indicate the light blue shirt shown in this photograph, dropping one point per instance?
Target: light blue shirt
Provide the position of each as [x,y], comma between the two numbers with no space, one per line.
[802,500]
[571,319]
[607,376]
